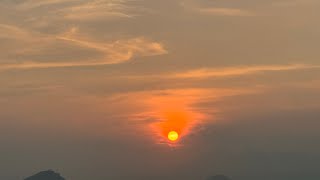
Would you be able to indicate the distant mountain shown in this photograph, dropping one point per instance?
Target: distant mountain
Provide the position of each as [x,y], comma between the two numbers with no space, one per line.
[46,175]
[218,177]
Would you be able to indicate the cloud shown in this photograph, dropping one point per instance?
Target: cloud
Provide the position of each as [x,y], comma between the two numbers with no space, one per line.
[225,11]
[26,49]
[49,35]
[97,9]
[117,51]
[291,3]
[241,70]
[56,14]
[227,71]
[79,10]
[31,4]
[9,31]
[112,53]
[209,9]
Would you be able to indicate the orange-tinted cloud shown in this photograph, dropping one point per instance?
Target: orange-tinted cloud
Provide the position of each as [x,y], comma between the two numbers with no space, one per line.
[241,70]
[113,52]
[225,11]
[79,10]
[93,10]
[205,9]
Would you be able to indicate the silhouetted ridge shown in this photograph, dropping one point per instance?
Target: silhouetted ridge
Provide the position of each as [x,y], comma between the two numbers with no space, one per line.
[218,177]
[46,175]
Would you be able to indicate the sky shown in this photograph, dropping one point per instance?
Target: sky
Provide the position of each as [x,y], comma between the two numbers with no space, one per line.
[91,89]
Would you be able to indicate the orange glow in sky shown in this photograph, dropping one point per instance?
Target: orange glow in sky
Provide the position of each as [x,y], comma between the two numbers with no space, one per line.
[174,115]
[176,120]
[163,111]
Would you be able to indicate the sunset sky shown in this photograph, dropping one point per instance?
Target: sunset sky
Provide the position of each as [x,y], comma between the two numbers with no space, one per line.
[91,89]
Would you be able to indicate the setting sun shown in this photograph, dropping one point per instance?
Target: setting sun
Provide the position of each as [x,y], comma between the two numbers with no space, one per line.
[173,135]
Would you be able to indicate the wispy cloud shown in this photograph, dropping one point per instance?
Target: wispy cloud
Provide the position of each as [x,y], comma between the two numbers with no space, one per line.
[114,52]
[34,50]
[225,11]
[117,51]
[30,4]
[10,31]
[79,10]
[97,9]
[228,71]
[290,3]
[221,10]
[39,41]
[241,70]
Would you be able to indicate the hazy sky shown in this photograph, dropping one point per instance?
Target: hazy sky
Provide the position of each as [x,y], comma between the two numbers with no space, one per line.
[91,88]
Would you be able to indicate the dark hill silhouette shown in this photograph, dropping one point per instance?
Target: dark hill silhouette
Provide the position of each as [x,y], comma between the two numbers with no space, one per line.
[218,177]
[46,175]
[51,175]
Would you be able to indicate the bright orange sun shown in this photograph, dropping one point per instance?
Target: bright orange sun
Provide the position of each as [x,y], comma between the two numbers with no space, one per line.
[173,136]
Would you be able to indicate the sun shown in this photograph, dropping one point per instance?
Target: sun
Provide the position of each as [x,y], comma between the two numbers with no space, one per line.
[173,136]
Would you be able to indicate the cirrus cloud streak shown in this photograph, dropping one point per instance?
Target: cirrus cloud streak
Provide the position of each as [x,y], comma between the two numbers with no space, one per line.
[240,70]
